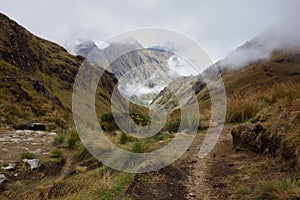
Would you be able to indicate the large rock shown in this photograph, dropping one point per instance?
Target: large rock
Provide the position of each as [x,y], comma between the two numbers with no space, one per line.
[251,137]
[32,126]
[34,163]
[10,167]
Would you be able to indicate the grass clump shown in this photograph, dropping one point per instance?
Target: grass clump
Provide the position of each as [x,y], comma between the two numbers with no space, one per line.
[56,153]
[241,109]
[80,169]
[67,139]
[285,188]
[108,123]
[82,153]
[138,147]
[123,138]
[59,140]
[28,155]
[172,126]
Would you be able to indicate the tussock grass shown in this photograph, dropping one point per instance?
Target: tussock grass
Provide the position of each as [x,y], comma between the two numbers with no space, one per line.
[292,144]
[80,169]
[285,188]
[243,108]
[28,155]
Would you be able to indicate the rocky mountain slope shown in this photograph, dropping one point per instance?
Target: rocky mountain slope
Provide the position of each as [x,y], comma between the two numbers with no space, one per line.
[36,79]
[142,72]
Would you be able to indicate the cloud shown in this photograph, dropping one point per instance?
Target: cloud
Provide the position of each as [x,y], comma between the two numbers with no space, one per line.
[285,35]
[219,26]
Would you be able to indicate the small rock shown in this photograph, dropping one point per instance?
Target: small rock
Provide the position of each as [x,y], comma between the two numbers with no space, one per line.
[192,194]
[52,134]
[10,167]
[2,178]
[38,151]
[230,164]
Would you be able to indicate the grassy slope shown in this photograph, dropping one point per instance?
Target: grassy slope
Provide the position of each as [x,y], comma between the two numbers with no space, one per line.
[36,79]
[264,99]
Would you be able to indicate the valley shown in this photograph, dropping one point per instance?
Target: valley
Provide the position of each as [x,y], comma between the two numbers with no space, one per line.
[255,157]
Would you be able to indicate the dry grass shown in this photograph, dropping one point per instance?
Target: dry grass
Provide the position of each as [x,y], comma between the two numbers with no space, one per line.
[243,108]
[80,169]
[285,189]
[292,144]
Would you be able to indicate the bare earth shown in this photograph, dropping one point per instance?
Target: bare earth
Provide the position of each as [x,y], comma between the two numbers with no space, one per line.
[14,143]
[192,177]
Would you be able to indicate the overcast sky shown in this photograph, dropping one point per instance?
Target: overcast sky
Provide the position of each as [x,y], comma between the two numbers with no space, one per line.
[219,26]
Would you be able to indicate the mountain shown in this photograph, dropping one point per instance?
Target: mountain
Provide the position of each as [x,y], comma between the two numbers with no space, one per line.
[254,64]
[142,72]
[36,79]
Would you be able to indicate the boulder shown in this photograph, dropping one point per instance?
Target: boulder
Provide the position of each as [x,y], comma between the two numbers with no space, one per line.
[34,163]
[10,167]
[253,137]
[31,126]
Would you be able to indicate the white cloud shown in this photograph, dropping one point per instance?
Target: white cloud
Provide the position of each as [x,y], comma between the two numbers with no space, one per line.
[219,26]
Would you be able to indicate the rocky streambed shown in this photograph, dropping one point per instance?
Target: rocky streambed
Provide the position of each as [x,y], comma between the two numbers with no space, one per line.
[13,143]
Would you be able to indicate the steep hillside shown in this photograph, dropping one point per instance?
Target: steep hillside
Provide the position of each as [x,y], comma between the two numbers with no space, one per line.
[282,66]
[36,79]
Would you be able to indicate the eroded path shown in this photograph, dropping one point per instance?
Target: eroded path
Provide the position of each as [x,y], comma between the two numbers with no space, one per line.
[192,177]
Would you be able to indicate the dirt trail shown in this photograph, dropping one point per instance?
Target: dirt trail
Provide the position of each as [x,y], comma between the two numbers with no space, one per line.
[190,177]
[207,175]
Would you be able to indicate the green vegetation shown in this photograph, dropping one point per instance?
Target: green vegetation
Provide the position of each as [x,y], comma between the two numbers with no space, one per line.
[28,155]
[56,153]
[108,123]
[138,147]
[82,153]
[140,119]
[67,139]
[172,126]
[123,138]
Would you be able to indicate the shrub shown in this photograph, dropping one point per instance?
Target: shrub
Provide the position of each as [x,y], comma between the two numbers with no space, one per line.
[123,138]
[140,119]
[108,123]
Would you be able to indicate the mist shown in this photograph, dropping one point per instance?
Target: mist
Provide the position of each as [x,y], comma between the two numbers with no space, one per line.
[284,36]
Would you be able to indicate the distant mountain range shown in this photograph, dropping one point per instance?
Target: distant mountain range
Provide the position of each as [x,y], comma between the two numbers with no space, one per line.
[142,72]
